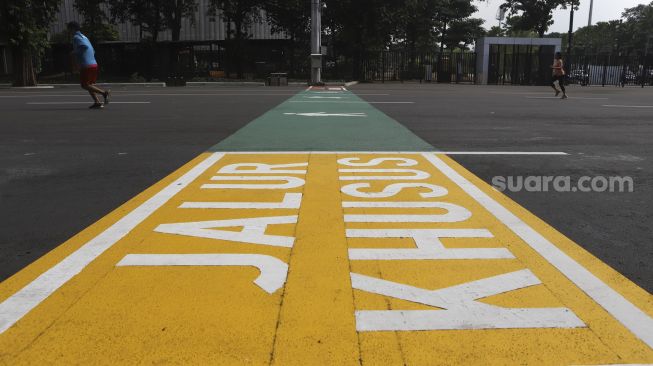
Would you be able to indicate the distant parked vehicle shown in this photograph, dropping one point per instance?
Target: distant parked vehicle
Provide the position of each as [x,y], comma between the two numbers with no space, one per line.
[579,76]
[628,77]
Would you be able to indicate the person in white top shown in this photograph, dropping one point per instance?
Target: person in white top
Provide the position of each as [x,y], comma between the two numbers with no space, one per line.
[559,75]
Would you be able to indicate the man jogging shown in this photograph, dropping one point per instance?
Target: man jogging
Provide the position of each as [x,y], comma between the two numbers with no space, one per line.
[88,69]
[559,75]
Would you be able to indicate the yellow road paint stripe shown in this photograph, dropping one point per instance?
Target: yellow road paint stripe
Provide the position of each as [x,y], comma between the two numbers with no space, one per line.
[317,316]
[347,258]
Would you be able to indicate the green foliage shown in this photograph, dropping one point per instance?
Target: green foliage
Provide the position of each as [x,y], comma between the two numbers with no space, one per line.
[143,13]
[242,13]
[101,32]
[292,17]
[627,36]
[464,32]
[96,21]
[360,26]
[25,23]
[639,25]
[496,31]
[174,11]
[91,11]
[533,15]
[153,16]
[357,27]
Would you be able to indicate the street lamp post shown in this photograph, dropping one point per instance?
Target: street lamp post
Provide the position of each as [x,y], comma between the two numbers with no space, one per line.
[316,42]
[570,37]
[646,74]
[589,22]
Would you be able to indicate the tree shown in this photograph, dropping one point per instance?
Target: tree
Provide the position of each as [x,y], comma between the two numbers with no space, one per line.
[534,15]
[639,24]
[174,11]
[416,25]
[496,31]
[240,13]
[292,17]
[146,14]
[153,16]
[464,32]
[96,20]
[448,11]
[25,24]
[360,27]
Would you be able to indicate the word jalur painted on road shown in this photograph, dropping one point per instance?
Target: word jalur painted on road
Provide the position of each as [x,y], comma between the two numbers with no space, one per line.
[384,258]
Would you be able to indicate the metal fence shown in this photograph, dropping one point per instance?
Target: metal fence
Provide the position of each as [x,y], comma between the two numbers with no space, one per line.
[446,67]
[164,60]
[520,64]
[256,59]
[610,70]
[531,65]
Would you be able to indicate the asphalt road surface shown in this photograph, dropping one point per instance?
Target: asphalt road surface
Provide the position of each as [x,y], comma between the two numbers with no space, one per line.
[63,167]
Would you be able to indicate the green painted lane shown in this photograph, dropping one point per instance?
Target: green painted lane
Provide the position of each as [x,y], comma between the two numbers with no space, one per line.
[324,120]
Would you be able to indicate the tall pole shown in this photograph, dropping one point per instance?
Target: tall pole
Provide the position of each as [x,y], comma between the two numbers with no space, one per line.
[570,37]
[589,22]
[316,42]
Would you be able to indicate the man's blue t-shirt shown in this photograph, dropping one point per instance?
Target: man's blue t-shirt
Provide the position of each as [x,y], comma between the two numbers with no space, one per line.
[83,50]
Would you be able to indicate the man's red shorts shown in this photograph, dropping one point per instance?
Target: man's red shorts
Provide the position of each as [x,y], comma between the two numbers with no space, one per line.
[88,75]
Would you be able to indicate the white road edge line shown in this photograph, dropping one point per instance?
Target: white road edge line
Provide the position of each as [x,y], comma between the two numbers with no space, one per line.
[30,296]
[536,153]
[346,102]
[584,98]
[63,103]
[627,106]
[630,316]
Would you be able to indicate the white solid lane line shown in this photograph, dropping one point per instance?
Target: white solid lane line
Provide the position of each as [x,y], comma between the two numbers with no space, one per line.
[629,315]
[584,98]
[552,153]
[89,102]
[30,296]
[500,153]
[346,102]
[627,106]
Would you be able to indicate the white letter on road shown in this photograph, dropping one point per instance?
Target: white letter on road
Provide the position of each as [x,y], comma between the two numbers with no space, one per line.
[392,190]
[253,230]
[290,182]
[429,246]
[454,213]
[262,168]
[377,162]
[290,201]
[273,270]
[416,174]
[460,308]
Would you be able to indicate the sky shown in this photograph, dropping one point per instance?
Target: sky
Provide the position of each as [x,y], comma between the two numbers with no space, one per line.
[604,10]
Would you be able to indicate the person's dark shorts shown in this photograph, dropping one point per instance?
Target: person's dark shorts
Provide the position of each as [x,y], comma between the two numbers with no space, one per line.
[88,75]
[558,78]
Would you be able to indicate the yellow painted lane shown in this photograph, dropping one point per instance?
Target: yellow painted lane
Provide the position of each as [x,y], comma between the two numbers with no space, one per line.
[322,258]
[599,339]
[317,325]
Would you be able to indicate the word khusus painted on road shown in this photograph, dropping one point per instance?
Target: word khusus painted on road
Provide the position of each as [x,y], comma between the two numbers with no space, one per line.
[327,258]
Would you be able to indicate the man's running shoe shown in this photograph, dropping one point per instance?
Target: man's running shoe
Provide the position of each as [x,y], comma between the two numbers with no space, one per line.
[564,96]
[96,106]
[557,92]
[107,96]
